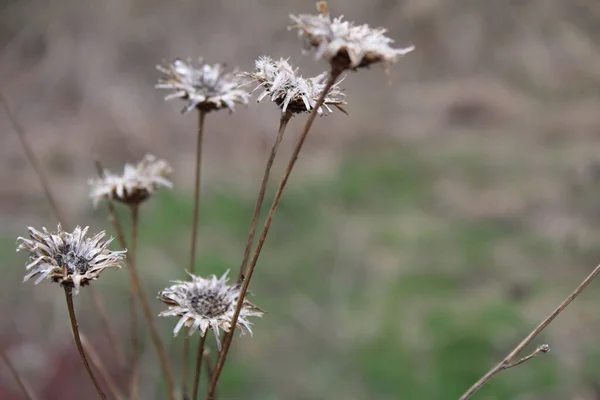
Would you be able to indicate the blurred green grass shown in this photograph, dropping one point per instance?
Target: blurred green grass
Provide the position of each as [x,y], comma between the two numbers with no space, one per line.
[372,290]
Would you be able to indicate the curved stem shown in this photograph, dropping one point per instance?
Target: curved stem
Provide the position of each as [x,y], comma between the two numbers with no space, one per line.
[141,297]
[507,362]
[69,298]
[135,347]
[199,355]
[25,387]
[285,118]
[185,359]
[334,75]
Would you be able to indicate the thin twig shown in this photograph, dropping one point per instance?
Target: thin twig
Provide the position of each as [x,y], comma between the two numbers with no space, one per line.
[69,298]
[199,355]
[135,346]
[192,264]
[110,383]
[110,331]
[29,153]
[334,75]
[21,381]
[508,360]
[141,297]
[285,118]
[60,217]
[543,348]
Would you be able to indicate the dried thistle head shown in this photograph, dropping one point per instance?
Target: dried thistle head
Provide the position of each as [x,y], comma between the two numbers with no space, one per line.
[206,87]
[136,183]
[290,91]
[343,44]
[67,258]
[204,304]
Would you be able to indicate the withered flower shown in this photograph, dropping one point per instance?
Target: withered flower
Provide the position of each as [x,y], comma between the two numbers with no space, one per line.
[204,304]
[68,258]
[206,87]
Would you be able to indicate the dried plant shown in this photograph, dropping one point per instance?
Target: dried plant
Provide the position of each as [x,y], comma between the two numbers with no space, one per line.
[344,44]
[135,184]
[204,304]
[206,87]
[69,259]
[291,91]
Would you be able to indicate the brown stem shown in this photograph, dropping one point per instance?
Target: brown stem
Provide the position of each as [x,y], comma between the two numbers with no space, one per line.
[199,354]
[110,331]
[507,362]
[25,387]
[229,337]
[185,359]
[285,118]
[75,328]
[60,217]
[29,153]
[141,297]
[135,347]
[112,386]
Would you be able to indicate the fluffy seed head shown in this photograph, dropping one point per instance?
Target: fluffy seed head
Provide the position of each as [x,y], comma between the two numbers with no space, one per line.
[290,91]
[204,304]
[68,258]
[136,183]
[344,44]
[206,87]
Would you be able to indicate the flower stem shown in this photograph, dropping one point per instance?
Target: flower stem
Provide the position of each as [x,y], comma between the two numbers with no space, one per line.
[69,298]
[199,355]
[25,387]
[334,75]
[192,264]
[135,347]
[508,361]
[285,118]
[141,297]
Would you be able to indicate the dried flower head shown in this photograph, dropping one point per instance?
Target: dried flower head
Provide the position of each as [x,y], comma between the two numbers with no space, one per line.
[205,87]
[343,44]
[68,258]
[136,183]
[204,304]
[290,91]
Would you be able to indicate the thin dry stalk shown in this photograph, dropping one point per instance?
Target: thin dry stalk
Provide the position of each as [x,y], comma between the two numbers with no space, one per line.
[141,297]
[508,361]
[110,331]
[135,347]
[110,383]
[334,75]
[69,298]
[60,217]
[25,387]
[29,153]
[199,355]
[192,264]
[285,118]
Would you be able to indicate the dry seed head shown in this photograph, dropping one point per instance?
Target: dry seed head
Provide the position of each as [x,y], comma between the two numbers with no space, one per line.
[343,44]
[290,91]
[204,304]
[68,258]
[206,87]
[136,183]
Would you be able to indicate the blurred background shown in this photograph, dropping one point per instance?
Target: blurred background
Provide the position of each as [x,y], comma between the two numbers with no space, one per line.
[420,238]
